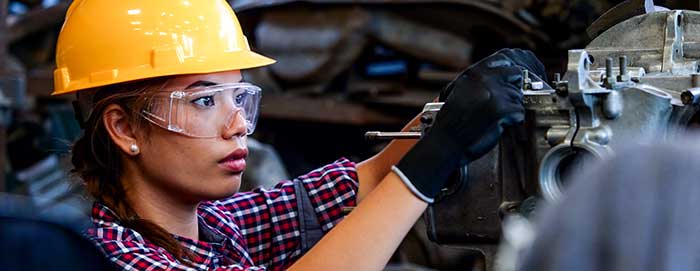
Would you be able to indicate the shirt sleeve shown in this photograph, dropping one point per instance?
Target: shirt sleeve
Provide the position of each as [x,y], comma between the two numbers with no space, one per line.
[269,219]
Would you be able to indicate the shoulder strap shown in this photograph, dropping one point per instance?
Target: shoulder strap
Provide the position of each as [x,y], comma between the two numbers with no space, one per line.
[310,228]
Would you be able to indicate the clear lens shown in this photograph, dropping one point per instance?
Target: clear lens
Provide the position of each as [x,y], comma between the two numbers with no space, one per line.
[207,111]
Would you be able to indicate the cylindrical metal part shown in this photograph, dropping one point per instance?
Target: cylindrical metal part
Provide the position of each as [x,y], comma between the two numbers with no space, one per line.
[613,105]
[526,79]
[623,65]
[392,135]
[557,77]
[556,135]
[560,164]
[691,96]
[608,67]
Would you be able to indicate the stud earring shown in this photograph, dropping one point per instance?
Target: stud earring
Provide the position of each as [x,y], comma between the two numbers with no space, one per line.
[134,149]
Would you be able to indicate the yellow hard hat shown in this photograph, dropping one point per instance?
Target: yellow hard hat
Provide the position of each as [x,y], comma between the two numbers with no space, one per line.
[104,42]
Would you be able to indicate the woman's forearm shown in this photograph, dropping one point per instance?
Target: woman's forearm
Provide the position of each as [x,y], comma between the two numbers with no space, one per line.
[371,171]
[368,236]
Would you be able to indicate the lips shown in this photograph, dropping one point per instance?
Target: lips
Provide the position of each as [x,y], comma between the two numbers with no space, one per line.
[235,161]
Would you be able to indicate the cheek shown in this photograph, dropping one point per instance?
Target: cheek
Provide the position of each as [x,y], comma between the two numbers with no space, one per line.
[188,167]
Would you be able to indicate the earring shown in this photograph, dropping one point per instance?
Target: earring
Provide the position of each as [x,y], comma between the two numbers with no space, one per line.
[134,149]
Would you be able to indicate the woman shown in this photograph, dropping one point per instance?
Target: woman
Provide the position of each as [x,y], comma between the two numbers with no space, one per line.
[166,116]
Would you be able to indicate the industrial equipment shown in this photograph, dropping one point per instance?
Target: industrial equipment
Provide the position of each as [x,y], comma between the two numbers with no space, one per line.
[637,81]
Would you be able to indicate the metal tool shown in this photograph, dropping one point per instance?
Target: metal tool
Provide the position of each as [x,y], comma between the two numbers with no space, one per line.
[427,117]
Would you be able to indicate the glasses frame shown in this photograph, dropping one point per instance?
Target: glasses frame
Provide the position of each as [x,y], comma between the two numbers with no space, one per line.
[183,96]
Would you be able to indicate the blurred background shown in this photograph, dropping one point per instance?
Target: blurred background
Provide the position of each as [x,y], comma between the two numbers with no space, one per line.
[344,67]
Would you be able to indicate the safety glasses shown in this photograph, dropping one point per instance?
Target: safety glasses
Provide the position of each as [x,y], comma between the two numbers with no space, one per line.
[205,112]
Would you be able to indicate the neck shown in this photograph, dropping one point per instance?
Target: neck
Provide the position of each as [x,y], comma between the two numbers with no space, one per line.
[161,207]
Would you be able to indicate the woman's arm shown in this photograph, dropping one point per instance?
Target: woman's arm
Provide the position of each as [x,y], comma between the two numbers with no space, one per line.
[368,236]
[371,171]
[484,98]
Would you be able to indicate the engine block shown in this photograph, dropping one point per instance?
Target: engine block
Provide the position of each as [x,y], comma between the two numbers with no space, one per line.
[639,80]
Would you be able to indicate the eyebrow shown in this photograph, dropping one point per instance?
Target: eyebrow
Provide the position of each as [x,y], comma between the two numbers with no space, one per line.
[201,83]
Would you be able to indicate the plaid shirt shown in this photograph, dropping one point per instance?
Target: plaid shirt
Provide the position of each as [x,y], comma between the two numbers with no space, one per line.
[248,231]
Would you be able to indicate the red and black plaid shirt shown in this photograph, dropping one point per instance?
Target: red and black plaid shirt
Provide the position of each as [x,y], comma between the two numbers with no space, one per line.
[248,231]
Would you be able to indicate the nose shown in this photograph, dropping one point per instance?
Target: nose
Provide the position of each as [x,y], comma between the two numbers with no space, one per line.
[235,125]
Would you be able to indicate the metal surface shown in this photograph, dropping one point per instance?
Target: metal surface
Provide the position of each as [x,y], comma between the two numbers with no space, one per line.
[312,46]
[618,14]
[316,47]
[643,105]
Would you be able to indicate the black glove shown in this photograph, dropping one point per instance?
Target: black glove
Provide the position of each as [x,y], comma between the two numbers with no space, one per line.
[484,98]
[523,58]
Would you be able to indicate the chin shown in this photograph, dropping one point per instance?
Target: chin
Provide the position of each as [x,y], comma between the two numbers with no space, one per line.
[225,189]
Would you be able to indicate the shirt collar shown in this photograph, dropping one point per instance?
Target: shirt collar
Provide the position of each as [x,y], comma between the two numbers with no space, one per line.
[102,213]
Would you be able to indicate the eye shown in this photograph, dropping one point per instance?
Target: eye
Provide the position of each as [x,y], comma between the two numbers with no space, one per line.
[240,99]
[205,101]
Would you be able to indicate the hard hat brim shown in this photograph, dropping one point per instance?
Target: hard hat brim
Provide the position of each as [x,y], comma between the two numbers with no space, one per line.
[238,60]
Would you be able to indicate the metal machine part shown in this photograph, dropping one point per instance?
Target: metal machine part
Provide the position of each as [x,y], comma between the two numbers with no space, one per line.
[638,80]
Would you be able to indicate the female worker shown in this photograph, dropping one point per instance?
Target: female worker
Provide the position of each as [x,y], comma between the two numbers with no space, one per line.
[166,115]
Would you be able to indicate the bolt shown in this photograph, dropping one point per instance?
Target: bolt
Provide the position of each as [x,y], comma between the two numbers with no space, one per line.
[526,76]
[623,65]
[623,77]
[526,80]
[609,77]
[557,77]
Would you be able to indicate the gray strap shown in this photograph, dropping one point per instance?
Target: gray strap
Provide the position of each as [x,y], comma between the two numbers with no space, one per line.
[309,226]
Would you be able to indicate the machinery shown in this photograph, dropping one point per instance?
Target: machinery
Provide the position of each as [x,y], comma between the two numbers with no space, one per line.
[638,80]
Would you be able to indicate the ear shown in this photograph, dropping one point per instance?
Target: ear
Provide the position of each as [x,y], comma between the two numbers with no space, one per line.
[120,129]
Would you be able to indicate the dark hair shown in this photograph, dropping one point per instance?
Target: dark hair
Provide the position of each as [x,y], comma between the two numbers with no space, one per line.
[97,161]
